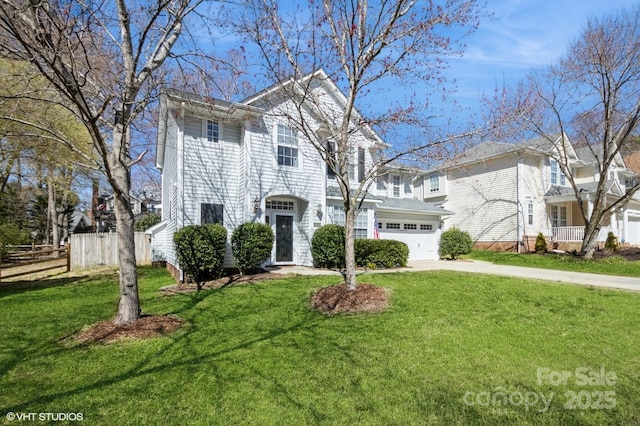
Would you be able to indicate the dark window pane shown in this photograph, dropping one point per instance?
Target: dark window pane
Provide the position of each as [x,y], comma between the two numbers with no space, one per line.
[211,213]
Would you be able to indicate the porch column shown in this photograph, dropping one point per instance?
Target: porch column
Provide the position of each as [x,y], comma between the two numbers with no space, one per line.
[625,225]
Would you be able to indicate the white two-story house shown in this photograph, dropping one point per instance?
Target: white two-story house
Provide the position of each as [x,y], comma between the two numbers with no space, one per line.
[505,194]
[231,163]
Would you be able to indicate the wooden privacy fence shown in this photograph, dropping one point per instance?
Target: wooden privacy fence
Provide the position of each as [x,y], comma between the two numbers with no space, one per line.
[25,262]
[101,249]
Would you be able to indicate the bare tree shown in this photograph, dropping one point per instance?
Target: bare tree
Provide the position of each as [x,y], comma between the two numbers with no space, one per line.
[366,48]
[591,97]
[104,61]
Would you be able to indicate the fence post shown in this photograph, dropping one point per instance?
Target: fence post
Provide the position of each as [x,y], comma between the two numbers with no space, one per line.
[69,255]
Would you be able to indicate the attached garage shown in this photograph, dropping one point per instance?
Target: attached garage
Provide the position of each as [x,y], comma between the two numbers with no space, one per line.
[633,230]
[413,222]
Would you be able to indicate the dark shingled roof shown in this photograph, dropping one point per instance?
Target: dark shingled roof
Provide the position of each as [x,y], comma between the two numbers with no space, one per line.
[413,205]
[400,204]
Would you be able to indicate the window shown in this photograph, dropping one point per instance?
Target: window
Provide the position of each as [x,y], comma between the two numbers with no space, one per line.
[361,164]
[361,222]
[212,131]
[278,205]
[410,226]
[557,176]
[331,163]
[558,216]
[211,213]
[426,227]
[530,212]
[434,183]
[397,181]
[287,146]
[393,226]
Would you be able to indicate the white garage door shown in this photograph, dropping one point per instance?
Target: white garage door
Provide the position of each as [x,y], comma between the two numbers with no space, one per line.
[421,237]
[633,234]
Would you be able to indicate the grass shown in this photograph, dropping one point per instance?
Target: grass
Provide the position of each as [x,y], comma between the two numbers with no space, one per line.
[614,265]
[256,354]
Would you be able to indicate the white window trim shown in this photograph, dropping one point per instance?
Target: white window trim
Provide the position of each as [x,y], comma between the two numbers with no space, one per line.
[205,133]
[433,178]
[277,143]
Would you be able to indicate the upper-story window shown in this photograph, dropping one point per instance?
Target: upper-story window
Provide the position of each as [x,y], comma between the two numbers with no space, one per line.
[434,183]
[530,212]
[557,176]
[213,131]
[361,224]
[397,181]
[287,146]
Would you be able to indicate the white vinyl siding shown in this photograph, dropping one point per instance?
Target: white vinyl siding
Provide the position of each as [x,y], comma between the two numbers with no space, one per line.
[484,199]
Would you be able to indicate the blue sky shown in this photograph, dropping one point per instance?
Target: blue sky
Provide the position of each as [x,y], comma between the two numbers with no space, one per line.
[521,35]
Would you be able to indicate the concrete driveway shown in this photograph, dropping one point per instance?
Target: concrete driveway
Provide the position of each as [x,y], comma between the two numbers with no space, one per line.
[480,267]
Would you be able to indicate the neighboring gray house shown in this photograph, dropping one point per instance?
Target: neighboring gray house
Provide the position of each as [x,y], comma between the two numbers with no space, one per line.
[232,163]
[503,194]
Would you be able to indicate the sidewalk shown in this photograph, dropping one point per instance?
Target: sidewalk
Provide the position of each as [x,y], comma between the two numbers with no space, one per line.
[480,267]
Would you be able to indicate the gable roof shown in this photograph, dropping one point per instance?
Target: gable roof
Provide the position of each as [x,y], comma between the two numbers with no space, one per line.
[196,102]
[330,88]
[490,149]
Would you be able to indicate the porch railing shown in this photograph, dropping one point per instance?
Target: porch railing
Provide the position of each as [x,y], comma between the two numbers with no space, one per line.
[568,233]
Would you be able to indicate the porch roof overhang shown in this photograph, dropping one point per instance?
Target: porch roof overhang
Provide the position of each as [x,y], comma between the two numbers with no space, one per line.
[334,193]
[411,205]
[566,193]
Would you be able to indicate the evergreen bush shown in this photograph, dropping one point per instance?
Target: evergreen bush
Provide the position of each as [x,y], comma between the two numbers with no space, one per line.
[454,242]
[147,221]
[612,243]
[251,244]
[541,243]
[200,250]
[327,246]
[381,253]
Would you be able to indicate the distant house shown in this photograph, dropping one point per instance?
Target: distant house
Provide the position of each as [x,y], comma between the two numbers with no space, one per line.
[231,163]
[505,194]
[80,223]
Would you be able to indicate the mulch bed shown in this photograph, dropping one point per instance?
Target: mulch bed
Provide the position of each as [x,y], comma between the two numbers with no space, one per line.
[337,299]
[145,327]
[228,281]
[631,254]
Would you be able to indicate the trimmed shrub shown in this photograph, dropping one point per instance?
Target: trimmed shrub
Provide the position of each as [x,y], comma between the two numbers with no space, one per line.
[381,253]
[454,242]
[147,221]
[251,244]
[200,250]
[327,246]
[541,243]
[612,242]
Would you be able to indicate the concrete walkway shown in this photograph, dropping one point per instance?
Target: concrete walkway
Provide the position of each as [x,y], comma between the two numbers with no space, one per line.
[480,267]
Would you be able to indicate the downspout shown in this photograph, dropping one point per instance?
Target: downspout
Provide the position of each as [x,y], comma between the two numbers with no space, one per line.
[518,228]
[180,176]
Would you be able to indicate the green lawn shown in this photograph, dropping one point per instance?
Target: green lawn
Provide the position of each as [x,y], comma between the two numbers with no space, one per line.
[614,265]
[444,352]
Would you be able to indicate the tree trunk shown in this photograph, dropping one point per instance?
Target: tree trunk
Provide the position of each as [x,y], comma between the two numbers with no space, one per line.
[129,304]
[120,179]
[52,219]
[590,241]
[349,248]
